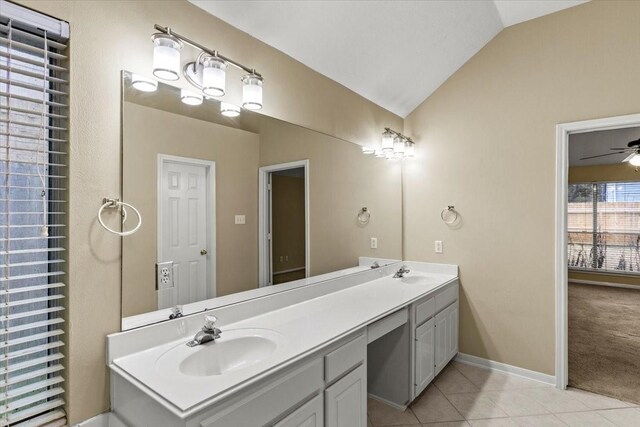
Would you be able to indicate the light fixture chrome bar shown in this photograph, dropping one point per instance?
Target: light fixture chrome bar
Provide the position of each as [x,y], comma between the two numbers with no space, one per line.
[169,31]
[398,134]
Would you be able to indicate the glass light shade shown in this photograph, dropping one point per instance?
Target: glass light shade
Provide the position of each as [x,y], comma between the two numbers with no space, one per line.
[635,160]
[252,92]
[190,98]
[229,110]
[387,141]
[367,149]
[410,150]
[398,147]
[166,57]
[143,83]
[213,76]
[379,153]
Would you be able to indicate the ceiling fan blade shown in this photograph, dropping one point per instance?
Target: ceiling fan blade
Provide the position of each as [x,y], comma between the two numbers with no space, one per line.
[622,148]
[602,155]
[635,143]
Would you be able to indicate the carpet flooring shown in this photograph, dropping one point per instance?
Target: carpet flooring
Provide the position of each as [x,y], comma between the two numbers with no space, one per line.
[604,340]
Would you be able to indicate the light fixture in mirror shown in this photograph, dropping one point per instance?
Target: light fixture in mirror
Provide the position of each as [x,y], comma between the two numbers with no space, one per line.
[410,150]
[398,146]
[190,98]
[252,92]
[387,140]
[166,56]
[143,84]
[213,76]
[229,110]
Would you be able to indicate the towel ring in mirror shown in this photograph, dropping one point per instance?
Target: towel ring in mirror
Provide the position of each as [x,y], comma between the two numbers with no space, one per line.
[449,215]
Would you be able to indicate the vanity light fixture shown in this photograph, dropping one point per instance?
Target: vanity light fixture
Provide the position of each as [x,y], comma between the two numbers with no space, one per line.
[143,84]
[229,110]
[166,56]
[394,145]
[207,72]
[190,98]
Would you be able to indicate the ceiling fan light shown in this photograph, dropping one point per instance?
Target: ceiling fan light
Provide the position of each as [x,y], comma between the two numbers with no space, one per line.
[635,160]
[166,56]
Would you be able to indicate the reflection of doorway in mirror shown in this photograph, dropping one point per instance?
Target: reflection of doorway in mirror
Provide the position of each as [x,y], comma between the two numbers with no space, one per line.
[284,223]
[186,228]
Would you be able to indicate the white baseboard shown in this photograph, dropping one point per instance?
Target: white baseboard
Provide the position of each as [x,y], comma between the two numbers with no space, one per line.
[387,402]
[598,283]
[507,369]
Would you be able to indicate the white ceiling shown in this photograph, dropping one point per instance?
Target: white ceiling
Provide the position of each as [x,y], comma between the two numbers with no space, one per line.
[600,142]
[394,53]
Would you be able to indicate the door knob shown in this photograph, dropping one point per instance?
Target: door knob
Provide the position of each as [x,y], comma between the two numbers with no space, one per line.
[203,252]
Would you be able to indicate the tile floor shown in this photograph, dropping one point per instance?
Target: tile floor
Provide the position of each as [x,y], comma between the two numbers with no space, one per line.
[464,395]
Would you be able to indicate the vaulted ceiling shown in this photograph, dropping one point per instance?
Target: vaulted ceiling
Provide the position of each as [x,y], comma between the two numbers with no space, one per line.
[394,53]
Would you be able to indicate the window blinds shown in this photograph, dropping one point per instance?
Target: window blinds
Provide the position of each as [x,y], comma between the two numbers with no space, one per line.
[604,226]
[33,217]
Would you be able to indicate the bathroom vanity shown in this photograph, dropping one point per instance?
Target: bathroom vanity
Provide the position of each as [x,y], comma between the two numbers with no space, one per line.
[307,357]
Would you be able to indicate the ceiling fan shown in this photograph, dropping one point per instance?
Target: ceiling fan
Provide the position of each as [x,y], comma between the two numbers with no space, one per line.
[633,148]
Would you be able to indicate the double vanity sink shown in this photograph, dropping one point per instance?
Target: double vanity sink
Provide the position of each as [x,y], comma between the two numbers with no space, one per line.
[302,357]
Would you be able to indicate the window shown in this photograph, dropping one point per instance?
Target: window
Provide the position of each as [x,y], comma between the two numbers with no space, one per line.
[604,227]
[33,157]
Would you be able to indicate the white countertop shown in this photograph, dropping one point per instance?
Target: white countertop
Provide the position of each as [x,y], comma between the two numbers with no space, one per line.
[307,326]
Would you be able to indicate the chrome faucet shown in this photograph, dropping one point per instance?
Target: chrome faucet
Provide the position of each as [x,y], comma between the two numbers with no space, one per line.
[375,265]
[176,312]
[400,273]
[208,333]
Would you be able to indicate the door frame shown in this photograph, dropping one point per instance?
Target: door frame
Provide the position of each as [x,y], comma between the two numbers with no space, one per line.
[264,244]
[210,166]
[563,130]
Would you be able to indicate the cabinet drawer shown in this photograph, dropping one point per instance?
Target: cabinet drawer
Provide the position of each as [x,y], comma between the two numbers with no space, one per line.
[311,414]
[345,358]
[387,324]
[425,310]
[446,297]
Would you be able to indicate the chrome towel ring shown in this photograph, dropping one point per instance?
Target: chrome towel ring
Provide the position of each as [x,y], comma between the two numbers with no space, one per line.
[449,215]
[117,204]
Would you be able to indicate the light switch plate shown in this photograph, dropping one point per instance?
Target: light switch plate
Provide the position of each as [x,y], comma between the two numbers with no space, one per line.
[438,246]
[374,243]
[240,219]
[164,275]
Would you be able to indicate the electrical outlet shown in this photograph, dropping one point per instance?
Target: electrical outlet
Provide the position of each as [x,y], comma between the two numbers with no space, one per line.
[374,243]
[240,220]
[164,275]
[438,246]
[281,258]
[286,258]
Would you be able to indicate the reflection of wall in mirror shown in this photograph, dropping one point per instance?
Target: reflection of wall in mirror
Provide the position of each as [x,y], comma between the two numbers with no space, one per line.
[146,133]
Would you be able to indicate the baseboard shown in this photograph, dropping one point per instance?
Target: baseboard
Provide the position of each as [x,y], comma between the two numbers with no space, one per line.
[507,369]
[598,283]
[387,402]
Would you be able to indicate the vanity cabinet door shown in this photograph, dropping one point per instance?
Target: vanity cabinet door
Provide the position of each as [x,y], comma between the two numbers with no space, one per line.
[308,415]
[424,356]
[452,341]
[446,336]
[346,400]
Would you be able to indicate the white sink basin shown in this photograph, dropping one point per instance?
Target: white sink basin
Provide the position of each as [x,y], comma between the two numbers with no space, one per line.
[235,350]
[418,280]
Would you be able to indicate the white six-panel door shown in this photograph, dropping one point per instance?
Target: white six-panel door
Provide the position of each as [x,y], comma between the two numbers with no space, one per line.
[183,231]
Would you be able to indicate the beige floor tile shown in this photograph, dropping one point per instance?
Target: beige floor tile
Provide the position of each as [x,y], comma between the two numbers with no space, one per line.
[494,422]
[476,406]
[433,407]
[487,380]
[448,424]
[450,381]
[539,421]
[554,400]
[596,401]
[584,419]
[385,415]
[516,404]
[626,417]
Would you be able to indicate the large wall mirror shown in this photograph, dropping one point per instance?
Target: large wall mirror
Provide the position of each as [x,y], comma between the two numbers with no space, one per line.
[235,208]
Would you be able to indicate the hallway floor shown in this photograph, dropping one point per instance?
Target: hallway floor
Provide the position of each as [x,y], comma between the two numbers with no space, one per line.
[464,395]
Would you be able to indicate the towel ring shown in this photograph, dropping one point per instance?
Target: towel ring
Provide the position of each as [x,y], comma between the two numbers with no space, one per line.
[363,216]
[115,204]
[449,215]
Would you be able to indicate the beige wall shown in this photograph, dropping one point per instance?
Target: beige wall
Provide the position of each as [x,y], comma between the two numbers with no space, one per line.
[342,180]
[288,220]
[148,132]
[486,144]
[614,172]
[107,37]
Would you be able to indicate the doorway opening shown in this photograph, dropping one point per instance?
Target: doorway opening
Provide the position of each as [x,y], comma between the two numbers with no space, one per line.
[284,222]
[186,229]
[597,246]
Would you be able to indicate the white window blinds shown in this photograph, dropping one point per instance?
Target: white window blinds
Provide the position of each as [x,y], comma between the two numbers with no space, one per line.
[604,227]
[33,212]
